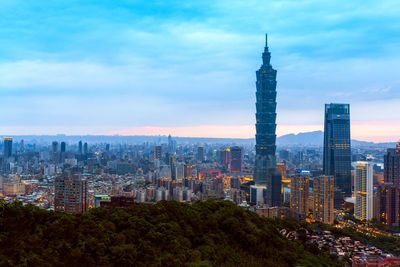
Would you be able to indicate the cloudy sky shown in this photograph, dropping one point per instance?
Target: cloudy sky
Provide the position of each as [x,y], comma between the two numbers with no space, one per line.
[188,67]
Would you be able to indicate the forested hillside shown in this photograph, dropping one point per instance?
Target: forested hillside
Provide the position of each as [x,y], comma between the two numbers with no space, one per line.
[210,233]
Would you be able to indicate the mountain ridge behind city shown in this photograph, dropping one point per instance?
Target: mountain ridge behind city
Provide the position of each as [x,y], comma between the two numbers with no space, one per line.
[314,138]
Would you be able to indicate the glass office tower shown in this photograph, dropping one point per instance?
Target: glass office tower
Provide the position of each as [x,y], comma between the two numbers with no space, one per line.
[337,151]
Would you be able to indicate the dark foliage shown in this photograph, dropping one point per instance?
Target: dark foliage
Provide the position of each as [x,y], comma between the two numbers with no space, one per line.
[210,233]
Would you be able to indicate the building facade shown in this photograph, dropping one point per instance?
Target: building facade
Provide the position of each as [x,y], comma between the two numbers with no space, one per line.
[257,194]
[71,193]
[299,193]
[63,146]
[7,147]
[200,153]
[392,166]
[157,154]
[388,198]
[388,193]
[236,159]
[337,150]
[323,199]
[363,190]
[274,188]
[224,156]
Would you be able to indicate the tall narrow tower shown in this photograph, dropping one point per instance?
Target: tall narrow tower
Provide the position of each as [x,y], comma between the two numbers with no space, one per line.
[363,189]
[265,119]
[337,150]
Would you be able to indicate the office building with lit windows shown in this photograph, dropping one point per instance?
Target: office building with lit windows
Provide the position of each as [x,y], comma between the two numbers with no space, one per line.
[299,193]
[388,203]
[363,190]
[337,151]
[70,193]
[323,199]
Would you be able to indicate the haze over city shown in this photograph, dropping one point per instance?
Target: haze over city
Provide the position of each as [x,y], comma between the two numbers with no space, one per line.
[187,68]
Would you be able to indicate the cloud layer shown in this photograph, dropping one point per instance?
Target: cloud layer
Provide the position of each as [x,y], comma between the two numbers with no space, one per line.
[96,67]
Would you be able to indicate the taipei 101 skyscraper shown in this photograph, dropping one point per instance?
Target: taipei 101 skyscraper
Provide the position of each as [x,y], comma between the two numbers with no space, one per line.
[265,172]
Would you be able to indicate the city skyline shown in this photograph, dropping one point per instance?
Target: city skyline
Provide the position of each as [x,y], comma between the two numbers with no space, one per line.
[199,133]
[87,73]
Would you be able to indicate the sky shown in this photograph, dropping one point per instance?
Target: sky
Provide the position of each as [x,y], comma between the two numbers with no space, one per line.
[188,67]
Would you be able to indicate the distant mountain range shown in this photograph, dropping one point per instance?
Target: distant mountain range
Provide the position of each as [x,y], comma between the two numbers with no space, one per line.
[313,139]
[316,138]
[301,139]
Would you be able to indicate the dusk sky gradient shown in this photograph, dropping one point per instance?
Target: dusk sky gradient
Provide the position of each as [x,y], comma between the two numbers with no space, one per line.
[188,67]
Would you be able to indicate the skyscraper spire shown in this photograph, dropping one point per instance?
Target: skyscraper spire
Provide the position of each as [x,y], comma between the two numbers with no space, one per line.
[266,56]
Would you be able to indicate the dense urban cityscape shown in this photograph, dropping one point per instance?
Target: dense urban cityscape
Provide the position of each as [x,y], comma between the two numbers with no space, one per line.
[334,185]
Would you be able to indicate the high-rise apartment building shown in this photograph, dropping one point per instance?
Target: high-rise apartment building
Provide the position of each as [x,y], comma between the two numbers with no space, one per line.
[337,151]
[265,118]
[299,194]
[236,159]
[363,189]
[7,147]
[323,199]
[71,193]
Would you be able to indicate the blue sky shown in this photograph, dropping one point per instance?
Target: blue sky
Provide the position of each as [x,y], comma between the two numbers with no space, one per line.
[94,67]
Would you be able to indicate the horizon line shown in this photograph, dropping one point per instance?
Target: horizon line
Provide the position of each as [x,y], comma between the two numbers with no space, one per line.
[176,136]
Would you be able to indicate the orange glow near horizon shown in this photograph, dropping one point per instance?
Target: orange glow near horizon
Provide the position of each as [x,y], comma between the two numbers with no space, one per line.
[363,131]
